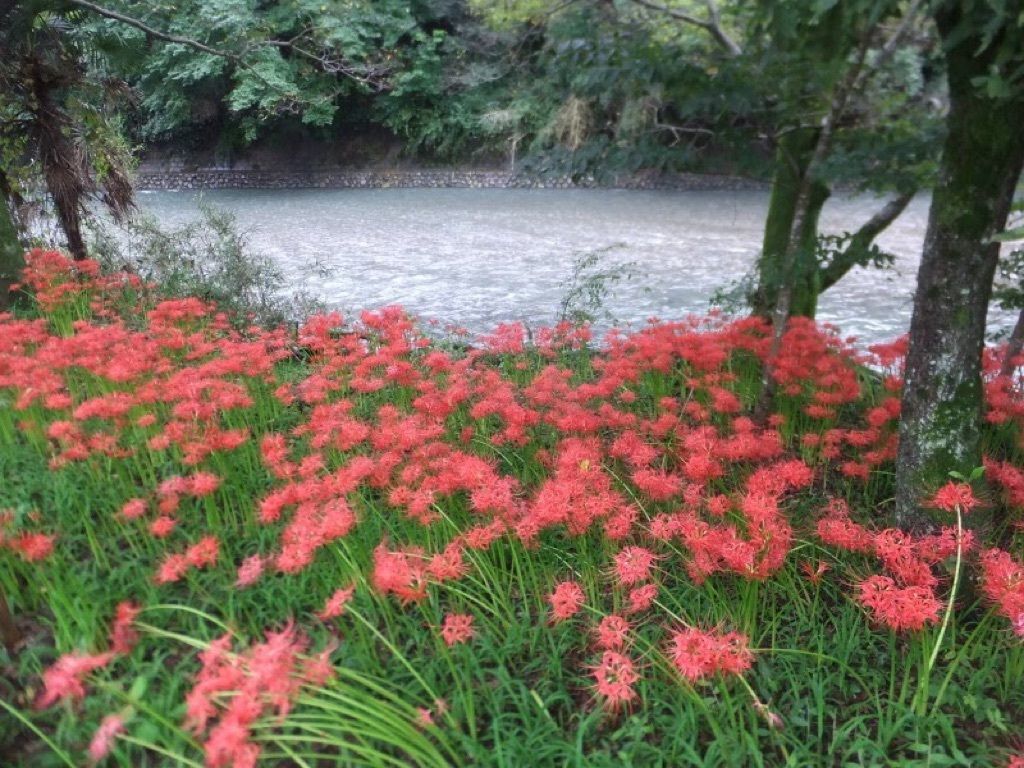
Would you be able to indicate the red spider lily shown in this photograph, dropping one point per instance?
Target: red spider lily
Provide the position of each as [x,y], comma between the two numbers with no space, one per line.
[162,526]
[64,679]
[641,598]
[103,739]
[953,496]
[566,600]
[203,553]
[31,546]
[457,628]
[133,509]
[614,678]
[401,573]
[815,573]
[250,571]
[698,654]
[236,689]
[901,608]
[424,717]
[124,636]
[612,633]
[689,471]
[633,565]
[1002,580]
[335,605]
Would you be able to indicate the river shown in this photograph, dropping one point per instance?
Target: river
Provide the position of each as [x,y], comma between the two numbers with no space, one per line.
[475,258]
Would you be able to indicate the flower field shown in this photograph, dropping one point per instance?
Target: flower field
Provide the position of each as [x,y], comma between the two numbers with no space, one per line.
[357,545]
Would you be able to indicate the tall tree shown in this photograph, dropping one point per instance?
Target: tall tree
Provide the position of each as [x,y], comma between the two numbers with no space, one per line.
[981,163]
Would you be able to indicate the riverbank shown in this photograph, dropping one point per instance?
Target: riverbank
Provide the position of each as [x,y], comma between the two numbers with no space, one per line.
[156,178]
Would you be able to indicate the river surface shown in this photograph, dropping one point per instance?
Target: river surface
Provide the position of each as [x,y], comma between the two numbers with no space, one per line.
[474,258]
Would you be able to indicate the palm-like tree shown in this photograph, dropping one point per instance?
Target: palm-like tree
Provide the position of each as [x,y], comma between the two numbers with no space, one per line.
[55,131]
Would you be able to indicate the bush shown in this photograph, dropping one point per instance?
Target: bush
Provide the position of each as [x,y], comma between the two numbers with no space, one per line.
[209,258]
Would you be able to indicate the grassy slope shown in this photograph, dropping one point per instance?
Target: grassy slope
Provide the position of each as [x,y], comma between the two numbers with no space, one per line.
[520,692]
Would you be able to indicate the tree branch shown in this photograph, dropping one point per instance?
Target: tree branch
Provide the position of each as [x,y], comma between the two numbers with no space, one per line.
[678,131]
[325,64]
[159,34]
[862,239]
[711,25]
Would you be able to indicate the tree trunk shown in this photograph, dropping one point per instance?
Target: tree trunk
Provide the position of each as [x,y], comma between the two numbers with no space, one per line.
[61,160]
[11,254]
[942,395]
[1013,346]
[791,160]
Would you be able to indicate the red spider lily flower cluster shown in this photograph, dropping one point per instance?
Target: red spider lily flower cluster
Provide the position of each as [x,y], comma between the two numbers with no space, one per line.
[103,739]
[1002,579]
[566,600]
[202,554]
[612,633]
[31,546]
[65,678]
[233,690]
[955,496]
[614,678]
[697,653]
[904,597]
[335,605]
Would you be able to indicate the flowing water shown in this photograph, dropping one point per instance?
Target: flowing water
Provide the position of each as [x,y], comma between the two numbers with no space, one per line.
[475,258]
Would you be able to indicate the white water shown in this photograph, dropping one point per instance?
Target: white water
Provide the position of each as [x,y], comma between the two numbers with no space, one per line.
[475,258]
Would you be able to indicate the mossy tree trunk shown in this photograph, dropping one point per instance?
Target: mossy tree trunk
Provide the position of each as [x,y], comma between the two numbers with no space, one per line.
[792,158]
[11,255]
[981,163]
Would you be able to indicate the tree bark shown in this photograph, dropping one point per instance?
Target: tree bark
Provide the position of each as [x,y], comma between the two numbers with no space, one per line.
[11,254]
[981,162]
[61,160]
[791,160]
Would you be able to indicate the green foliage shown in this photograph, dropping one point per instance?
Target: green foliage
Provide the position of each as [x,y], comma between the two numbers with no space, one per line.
[588,286]
[831,247]
[209,258]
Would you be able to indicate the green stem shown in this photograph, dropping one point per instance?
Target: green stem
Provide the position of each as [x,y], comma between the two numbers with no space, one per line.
[949,612]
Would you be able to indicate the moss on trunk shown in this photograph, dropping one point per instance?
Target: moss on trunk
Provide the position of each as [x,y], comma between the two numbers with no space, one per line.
[11,254]
[942,398]
[792,157]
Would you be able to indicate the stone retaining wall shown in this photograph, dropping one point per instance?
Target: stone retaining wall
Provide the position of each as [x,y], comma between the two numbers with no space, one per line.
[166,179]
